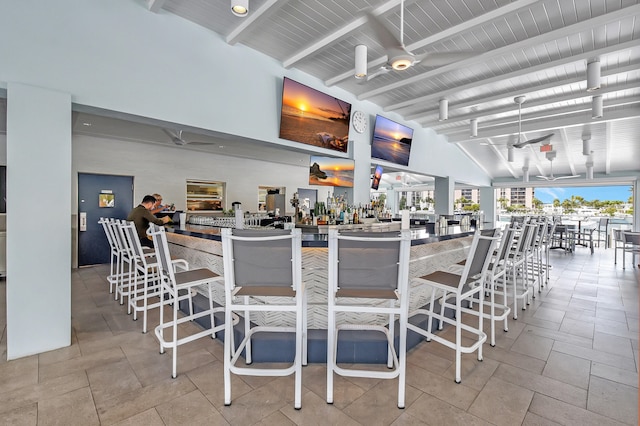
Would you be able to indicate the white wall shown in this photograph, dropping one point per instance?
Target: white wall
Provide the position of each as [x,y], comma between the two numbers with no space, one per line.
[165,170]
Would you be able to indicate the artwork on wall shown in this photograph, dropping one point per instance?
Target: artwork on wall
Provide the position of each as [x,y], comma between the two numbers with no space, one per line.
[377,175]
[391,141]
[107,200]
[314,118]
[329,171]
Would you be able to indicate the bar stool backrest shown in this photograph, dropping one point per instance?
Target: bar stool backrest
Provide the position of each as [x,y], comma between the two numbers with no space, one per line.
[536,234]
[163,256]
[517,220]
[618,235]
[264,258]
[131,235]
[506,244]
[525,238]
[632,238]
[480,256]
[369,260]
[119,238]
[108,232]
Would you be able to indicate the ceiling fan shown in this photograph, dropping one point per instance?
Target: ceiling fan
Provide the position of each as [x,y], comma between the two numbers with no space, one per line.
[520,100]
[551,155]
[176,138]
[399,58]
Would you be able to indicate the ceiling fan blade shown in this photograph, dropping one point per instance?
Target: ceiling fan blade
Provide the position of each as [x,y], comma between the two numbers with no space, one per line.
[170,133]
[532,141]
[543,177]
[437,59]
[200,143]
[566,177]
[385,37]
[175,137]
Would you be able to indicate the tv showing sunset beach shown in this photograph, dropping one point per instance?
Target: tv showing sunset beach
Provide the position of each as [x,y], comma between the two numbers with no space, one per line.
[391,141]
[314,118]
[329,171]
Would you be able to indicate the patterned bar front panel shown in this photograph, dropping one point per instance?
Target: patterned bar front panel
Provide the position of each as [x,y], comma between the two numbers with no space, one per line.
[425,259]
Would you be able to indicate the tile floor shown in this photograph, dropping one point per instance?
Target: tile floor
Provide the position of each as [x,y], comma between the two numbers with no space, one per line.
[571,358]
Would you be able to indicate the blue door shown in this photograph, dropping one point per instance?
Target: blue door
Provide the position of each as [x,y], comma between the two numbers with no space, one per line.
[100,196]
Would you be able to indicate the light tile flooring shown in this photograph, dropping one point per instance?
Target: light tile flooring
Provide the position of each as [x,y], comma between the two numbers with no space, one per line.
[570,358]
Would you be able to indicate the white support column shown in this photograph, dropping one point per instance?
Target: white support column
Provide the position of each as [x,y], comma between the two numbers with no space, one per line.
[488,205]
[636,206]
[444,195]
[38,220]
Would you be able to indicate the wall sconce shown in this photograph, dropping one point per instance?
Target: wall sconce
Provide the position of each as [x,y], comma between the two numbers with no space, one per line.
[593,75]
[597,107]
[444,110]
[361,61]
[586,145]
[589,165]
[474,127]
[240,7]
[510,153]
[525,174]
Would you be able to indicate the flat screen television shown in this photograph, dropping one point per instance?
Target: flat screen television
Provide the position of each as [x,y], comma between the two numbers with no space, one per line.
[391,141]
[377,175]
[314,118]
[329,171]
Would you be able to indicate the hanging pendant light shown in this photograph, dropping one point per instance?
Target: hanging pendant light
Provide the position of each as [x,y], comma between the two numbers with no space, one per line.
[593,75]
[444,110]
[361,61]
[597,107]
[525,174]
[510,153]
[474,127]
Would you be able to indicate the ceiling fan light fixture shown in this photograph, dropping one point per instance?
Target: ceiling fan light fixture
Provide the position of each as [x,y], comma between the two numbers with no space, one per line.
[361,61]
[444,110]
[240,7]
[597,107]
[401,62]
[474,127]
[593,75]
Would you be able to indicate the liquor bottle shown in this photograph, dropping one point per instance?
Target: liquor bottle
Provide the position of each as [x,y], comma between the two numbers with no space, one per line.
[356,219]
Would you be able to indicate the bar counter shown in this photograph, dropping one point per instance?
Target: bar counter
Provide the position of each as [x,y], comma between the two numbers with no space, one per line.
[201,246]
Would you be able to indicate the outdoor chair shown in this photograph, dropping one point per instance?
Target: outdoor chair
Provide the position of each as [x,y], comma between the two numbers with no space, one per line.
[618,244]
[461,288]
[146,284]
[368,281]
[176,286]
[603,230]
[263,274]
[631,245]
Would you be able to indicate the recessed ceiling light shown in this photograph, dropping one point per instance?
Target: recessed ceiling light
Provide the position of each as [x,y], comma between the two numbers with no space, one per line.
[221,146]
[86,124]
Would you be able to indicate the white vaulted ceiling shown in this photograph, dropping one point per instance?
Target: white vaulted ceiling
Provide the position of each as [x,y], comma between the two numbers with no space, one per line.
[538,49]
[533,48]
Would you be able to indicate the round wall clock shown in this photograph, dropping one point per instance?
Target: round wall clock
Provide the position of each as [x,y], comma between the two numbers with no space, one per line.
[359,121]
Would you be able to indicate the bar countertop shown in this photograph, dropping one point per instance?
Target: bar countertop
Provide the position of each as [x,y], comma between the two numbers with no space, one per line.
[418,235]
